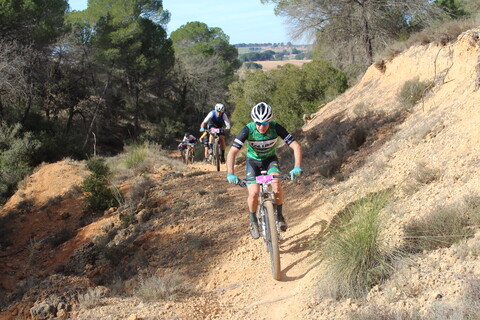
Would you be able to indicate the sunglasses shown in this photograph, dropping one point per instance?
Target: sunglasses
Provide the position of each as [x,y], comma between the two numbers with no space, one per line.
[262,123]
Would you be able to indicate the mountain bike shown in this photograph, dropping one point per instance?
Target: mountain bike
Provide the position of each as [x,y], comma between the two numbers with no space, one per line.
[214,152]
[267,217]
[189,153]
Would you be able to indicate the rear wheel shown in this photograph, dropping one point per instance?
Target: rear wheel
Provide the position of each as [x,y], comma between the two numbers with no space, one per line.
[272,240]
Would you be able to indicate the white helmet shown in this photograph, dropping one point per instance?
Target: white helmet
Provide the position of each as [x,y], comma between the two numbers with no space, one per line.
[261,112]
[219,107]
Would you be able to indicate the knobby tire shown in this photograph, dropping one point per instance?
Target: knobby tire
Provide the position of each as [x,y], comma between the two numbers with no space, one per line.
[184,156]
[271,236]
[191,155]
[216,149]
[187,156]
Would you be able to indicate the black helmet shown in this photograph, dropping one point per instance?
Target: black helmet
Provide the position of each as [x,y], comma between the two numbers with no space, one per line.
[187,134]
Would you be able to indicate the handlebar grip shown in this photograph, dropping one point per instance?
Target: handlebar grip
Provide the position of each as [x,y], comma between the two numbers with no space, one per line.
[242,183]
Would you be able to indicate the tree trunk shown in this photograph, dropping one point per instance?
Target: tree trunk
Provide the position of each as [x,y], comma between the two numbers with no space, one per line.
[366,39]
[137,110]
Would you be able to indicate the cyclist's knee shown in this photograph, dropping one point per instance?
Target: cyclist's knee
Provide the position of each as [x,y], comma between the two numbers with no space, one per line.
[277,187]
[253,190]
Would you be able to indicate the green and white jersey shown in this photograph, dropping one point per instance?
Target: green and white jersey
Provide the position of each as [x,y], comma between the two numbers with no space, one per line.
[262,146]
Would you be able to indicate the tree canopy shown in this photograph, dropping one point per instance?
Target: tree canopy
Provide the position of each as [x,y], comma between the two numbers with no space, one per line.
[291,91]
[349,32]
[36,21]
[205,65]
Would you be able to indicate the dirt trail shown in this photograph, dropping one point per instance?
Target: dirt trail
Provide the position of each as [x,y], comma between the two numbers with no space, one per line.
[241,280]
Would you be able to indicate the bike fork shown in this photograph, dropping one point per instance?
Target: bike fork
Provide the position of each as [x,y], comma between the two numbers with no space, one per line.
[261,221]
[276,222]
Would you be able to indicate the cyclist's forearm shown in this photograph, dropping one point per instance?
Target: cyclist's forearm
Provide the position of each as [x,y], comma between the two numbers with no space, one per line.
[232,154]
[297,153]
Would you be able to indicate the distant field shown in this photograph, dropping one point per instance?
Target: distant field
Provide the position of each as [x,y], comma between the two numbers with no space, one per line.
[268,65]
[303,48]
[243,50]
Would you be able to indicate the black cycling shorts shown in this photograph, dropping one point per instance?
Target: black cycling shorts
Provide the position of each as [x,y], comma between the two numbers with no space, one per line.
[205,141]
[254,168]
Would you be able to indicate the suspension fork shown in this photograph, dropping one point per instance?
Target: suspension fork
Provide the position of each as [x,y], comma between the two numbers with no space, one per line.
[266,194]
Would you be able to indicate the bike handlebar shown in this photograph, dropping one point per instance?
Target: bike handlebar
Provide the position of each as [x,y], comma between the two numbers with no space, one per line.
[243,182]
[221,130]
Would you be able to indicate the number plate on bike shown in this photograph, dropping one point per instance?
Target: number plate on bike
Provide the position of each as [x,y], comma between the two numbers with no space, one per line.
[215,130]
[264,178]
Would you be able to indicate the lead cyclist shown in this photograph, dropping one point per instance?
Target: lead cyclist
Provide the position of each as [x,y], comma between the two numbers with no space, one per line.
[261,136]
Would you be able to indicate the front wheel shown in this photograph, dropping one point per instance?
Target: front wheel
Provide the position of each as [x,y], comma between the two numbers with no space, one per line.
[187,156]
[184,157]
[271,238]
[216,154]
[191,155]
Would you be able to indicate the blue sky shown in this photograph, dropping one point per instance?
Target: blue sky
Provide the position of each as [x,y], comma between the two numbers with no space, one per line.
[244,21]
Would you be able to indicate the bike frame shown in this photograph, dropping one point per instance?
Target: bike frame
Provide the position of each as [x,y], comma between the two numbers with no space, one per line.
[266,194]
[267,217]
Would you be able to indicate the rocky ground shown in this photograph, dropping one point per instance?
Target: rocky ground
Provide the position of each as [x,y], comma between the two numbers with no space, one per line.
[191,224]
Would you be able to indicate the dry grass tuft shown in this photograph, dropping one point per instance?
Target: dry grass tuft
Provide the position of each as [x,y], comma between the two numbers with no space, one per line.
[384,313]
[412,92]
[439,229]
[442,34]
[91,298]
[168,287]
[354,249]
[424,174]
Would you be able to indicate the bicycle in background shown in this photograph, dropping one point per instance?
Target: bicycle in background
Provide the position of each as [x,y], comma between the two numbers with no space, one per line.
[214,152]
[189,153]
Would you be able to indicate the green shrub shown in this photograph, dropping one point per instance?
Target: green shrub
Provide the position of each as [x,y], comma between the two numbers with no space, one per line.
[413,91]
[252,65]
[290,90]
[98,167]
[354,250]
[100,197]
[162,132]
[16,157]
